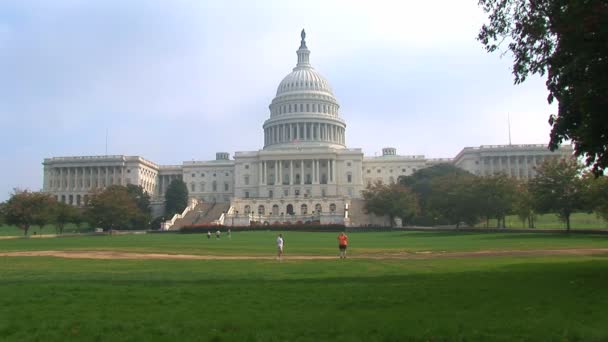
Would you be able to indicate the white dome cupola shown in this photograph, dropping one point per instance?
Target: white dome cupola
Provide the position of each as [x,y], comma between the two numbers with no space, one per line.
[304,110]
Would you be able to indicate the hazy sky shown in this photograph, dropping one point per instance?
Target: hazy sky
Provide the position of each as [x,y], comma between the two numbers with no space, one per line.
[180,80]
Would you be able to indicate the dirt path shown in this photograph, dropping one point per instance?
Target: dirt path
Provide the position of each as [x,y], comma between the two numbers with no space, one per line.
[403,255]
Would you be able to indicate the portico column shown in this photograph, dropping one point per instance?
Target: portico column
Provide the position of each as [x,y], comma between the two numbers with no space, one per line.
[301,171]
[291,172]
[318,162]
[265,176]
[260,173]
[297,131]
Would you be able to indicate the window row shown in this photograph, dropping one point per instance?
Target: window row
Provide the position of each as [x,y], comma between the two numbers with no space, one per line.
[202,187]
[291,210]
[305,108]
[227,174]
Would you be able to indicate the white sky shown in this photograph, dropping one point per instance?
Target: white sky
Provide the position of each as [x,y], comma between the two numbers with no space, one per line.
[180,80]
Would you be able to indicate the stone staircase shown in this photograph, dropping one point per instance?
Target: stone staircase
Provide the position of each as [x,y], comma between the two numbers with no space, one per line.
[213,213]
[192,215]
[360,218]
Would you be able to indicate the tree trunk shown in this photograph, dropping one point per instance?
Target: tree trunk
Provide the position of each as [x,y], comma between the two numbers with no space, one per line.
[568,223]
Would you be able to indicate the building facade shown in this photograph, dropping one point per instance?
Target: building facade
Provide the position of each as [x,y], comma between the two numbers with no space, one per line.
[304,169]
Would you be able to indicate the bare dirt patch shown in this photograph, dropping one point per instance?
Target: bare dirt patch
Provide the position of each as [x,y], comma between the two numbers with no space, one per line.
[117,255]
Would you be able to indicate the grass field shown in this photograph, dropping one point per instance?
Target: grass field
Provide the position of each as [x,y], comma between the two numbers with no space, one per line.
[547,221]
[502,298]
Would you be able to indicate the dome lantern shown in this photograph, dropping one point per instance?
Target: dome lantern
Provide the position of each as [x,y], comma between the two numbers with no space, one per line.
[303,53]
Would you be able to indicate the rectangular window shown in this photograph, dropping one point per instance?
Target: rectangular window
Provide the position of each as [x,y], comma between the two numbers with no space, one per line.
[225,186]
[246,194]
[349,178]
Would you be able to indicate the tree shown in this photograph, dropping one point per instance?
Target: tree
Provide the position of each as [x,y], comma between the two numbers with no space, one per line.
[420,182]
[63,214]
[455,198]
[496,196]
[598,196]
[142,200]
[523,205]
[176,198]
[2,213]
[568,40]
[112,208]
[557,188]
[141,197]
[394,200]
[26,208]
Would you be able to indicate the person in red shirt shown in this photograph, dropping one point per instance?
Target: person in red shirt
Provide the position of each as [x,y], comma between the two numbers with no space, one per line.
[342,244]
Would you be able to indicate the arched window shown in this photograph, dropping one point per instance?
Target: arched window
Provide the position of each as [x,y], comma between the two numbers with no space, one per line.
[214,186]
[304,209]
[192,187]
[247,209]
[202,186]
[247,180]
[349,177]
[275,210]
[318,208]
[332,208]
[261,210]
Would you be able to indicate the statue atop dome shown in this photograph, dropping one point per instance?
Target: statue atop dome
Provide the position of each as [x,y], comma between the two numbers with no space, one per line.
[303,42]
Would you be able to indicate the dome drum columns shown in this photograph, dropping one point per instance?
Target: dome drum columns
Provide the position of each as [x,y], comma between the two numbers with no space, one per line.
[315,132]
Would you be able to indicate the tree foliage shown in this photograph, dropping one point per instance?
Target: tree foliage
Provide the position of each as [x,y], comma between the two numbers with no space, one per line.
[523,204]
[26,208]
[420,182]
[113,208]
[495,195]
[142,200]
[394,200]
[176,198]
[567,40]
[63,214]
[598,195]
[557,188]
[455,198]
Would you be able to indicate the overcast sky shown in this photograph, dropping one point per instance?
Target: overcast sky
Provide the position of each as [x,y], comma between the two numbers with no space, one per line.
[175,80]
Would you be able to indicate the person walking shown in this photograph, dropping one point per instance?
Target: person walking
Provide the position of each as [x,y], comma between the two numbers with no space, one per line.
[342,244]
[280,247]
[208,235]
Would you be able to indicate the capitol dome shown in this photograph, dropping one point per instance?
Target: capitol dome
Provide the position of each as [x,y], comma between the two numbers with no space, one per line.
[304,111]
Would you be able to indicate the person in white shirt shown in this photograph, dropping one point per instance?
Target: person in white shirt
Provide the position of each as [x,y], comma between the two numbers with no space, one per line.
[280,246]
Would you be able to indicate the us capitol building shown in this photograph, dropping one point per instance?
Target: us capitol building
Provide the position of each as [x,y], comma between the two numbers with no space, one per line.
[304,171]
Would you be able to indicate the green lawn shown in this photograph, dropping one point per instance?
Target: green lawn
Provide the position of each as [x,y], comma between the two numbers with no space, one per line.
[551,221]
[49,229]
[302,243]
[491,298]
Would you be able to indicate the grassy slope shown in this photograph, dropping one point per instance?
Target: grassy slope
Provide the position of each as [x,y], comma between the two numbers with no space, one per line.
[302,243]
[547,221]
[494,298]
[352,300]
